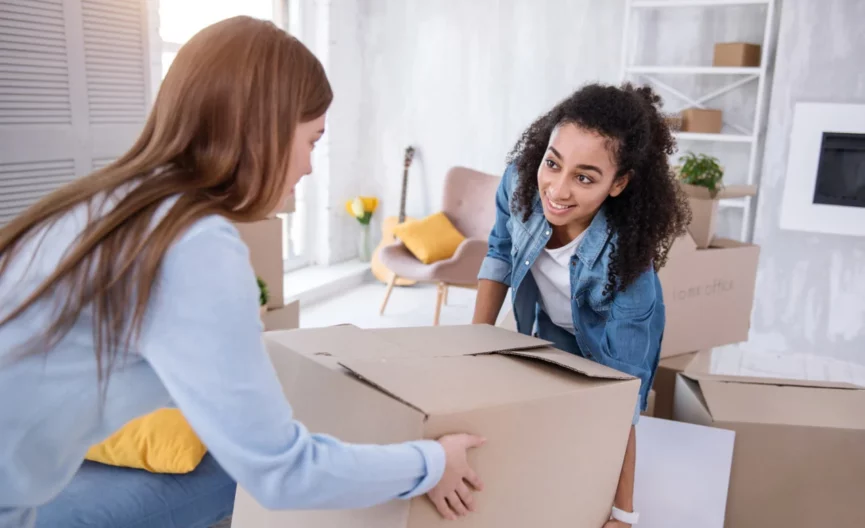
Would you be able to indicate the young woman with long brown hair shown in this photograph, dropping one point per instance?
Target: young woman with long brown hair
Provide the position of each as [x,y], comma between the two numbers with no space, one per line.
[130,288]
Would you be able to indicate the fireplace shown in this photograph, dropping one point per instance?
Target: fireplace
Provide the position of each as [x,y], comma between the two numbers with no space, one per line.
[824,188]
[841,170]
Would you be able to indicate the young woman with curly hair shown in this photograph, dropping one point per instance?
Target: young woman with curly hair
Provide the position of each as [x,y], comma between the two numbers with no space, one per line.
[586,213]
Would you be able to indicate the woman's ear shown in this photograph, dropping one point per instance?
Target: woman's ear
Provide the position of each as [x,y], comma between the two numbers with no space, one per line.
[620,183]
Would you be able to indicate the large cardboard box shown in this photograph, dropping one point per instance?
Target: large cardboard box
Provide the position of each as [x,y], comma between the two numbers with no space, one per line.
[664,385]
[264,240]
[650,404]
[704,207]
[708,294]
[284,318]
[799,455]
[736,54]
[557,424]
[703,120]
[289,206]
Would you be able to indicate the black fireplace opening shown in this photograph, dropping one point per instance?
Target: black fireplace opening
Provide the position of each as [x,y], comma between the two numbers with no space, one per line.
[841,171]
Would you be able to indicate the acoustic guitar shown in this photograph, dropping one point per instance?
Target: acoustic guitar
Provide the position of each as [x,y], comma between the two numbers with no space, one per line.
[379,270]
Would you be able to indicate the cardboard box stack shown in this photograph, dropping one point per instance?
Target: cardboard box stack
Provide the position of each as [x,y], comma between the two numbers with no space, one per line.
[557,424]
[708,294]
[704,205]
[708,286]
[799,451]
[264,240]
[664,385]
[650,404]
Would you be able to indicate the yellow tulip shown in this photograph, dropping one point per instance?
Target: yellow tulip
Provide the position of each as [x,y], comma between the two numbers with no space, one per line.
[370,203]
[357,208]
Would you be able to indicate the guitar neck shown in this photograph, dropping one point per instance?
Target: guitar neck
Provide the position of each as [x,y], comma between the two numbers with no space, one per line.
[403,196]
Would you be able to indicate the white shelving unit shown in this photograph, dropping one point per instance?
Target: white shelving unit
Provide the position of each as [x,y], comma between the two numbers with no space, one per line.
[691,3]
[695,70]
[747,135]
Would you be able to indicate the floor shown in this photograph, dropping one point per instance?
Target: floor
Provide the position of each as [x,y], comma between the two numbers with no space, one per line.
[408,306]
[316,283]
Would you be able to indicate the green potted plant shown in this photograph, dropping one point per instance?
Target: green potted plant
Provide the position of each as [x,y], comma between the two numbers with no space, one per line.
[263,296]
[702,170]
[701,177]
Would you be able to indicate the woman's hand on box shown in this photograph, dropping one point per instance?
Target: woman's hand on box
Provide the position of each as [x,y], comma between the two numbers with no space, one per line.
[452,496]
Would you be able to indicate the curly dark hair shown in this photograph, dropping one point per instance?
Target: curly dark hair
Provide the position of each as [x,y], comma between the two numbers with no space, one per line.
[652,211]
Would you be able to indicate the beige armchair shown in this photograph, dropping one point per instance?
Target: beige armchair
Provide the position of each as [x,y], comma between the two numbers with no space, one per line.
[469,203]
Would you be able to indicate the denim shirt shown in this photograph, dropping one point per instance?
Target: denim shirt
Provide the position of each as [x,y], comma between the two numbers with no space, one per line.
[623,333]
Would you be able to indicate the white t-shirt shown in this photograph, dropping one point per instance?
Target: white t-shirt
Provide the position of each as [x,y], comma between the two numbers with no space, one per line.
[552,273]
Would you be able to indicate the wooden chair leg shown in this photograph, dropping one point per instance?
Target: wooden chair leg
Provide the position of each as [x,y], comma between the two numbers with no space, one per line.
[447,290]
[440,297]
[390,285]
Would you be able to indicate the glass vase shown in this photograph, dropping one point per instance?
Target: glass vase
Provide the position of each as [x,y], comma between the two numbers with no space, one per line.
[364,244]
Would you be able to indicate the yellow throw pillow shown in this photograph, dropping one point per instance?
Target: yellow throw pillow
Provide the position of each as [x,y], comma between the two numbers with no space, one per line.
[159,442]
[430,240]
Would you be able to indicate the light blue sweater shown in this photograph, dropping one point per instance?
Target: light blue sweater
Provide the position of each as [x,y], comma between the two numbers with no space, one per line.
[201,348]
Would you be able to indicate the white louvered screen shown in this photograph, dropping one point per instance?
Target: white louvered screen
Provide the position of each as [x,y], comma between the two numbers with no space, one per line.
[24,183]
[74,90]
[113,47]
[101,163]
[34,79]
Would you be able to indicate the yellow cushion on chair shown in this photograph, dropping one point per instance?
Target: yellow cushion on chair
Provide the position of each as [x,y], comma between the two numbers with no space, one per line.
[430,240]
[159,442]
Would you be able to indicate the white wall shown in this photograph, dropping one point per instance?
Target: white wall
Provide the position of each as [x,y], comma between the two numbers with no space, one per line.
[461,80]
[811,287]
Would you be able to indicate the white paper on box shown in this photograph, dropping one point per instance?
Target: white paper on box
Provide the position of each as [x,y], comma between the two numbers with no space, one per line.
[746,360]
[682,474]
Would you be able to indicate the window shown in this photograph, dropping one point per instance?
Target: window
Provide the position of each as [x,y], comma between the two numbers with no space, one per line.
[179,20]
[295,252]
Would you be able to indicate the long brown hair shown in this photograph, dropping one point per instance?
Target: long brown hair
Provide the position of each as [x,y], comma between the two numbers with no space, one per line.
[218,137]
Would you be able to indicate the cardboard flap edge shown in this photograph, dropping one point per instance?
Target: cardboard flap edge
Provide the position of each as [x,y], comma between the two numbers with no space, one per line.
[683,245]
[728,191]
[514,340]
[699,370]
[356,369]
[737,191]
[785,382]
[569,362]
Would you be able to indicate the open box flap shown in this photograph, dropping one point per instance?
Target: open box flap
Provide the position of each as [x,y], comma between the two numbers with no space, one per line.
[341,342]
[451,367]
[440,385]
[729,243]
[784,405]
[568,361]
[701,369]
[729,191]
[684,245]
[458,340]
